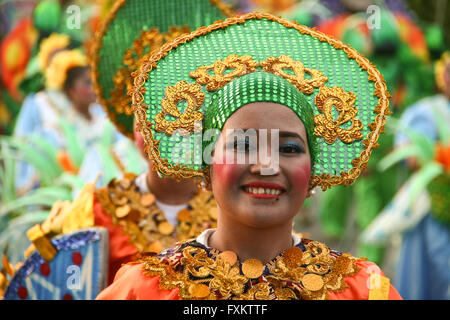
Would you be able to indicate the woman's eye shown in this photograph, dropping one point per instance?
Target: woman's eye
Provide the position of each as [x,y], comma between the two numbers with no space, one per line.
[242,145]
[291,147]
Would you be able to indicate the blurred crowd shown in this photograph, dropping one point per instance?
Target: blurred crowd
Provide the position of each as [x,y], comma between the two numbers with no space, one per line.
[55,135]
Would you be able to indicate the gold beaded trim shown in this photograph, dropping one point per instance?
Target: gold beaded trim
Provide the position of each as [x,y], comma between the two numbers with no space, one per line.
[325,181]
[294,274]
[145,222]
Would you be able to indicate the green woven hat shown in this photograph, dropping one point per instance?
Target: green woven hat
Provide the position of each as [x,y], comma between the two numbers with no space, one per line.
[196,82]
[130,32]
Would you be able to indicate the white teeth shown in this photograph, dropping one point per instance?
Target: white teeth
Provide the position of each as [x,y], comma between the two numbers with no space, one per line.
[263,191]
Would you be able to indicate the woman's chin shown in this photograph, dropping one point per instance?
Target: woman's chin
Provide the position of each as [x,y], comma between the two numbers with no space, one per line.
[262,217]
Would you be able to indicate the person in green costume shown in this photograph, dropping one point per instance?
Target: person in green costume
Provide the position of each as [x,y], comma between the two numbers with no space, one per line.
[216,94]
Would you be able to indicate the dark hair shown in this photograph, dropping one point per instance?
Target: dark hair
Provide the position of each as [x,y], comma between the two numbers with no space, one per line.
[72,75]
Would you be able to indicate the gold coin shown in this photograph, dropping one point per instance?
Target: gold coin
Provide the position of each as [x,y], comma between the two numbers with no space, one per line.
[147,199]
[165,228]
[293,257]
[312,282]
[213,212]
[199,290]
[120,201]
[125,183]
[134,215]
[229,257]
[342,264]
[252,268]
[184,215]
[129,176]
[122,211]
[155,247]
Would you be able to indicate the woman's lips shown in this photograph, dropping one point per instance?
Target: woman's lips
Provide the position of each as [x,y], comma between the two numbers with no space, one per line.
[263,190]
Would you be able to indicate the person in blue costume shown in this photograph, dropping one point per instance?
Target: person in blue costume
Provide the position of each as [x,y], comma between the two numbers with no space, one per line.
[68,98]
[422,271]
[418,215]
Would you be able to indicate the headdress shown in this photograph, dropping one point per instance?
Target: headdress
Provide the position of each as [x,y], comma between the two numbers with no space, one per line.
[49,46]
[179,84]
[56,73]
[439,70]
[132,31]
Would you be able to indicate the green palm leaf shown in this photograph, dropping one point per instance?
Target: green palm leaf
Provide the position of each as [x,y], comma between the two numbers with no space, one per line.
[421,146]
[24,151]
[398,155]
[7,169]
[72,143]
[421,178]
[44,196]
[442,127]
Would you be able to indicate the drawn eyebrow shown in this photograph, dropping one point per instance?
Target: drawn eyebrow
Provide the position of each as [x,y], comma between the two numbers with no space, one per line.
[290,134]
[282,134]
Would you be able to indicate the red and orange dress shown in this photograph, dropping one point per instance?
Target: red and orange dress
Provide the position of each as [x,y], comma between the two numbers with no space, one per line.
[193,270]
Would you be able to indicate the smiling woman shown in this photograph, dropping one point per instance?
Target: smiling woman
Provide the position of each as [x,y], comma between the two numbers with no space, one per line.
[289,104]
[255,209]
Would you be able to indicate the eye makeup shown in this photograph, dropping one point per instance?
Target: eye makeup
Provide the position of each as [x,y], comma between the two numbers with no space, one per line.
[291,147]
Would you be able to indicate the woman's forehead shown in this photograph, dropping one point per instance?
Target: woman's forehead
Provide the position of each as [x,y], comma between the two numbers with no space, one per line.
[265,115]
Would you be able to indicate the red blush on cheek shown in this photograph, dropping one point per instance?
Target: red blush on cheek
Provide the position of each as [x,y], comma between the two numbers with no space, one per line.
[227,173]
[84,91]
[301,176]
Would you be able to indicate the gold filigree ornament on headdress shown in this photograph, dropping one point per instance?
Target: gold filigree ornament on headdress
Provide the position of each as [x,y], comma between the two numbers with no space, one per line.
[130,33]
[338,94]
[56,73]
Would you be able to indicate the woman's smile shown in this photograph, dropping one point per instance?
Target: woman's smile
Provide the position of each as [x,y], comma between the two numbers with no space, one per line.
[243,191]
[263,190]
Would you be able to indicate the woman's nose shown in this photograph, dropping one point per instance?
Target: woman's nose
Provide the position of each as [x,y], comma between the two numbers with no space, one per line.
[268,166]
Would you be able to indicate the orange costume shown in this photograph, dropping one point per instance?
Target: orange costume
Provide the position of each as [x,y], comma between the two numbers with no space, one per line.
[342,103]
[192,270]
[136,223]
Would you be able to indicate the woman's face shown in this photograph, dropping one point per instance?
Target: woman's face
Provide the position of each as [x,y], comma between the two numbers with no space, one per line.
[82,91]
[262,194]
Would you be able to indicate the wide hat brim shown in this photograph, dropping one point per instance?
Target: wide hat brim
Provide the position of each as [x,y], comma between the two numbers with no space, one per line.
[121,42]
[348,94]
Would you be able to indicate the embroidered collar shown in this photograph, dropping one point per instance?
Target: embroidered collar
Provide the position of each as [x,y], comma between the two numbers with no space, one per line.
[145,222]
[306,271]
